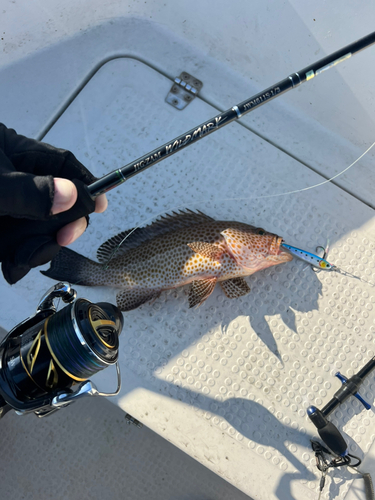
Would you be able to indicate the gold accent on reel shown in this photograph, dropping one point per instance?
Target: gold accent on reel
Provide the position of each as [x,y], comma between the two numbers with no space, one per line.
[33,352]
[55,358]
[97,324]
[28,373]
[52,376]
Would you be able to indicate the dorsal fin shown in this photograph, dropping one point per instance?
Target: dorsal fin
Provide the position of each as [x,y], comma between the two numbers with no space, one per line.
[123,242]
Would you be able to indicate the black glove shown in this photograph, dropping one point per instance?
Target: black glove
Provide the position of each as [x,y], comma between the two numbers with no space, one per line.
[27,228]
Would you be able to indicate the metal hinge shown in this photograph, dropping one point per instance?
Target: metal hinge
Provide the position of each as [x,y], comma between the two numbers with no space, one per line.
[131,420]
[183,90]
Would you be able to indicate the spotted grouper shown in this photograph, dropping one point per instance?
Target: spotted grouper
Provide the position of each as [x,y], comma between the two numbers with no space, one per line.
[178,249]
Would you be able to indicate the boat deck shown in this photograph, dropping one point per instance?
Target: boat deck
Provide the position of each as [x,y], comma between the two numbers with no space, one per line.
[227,383]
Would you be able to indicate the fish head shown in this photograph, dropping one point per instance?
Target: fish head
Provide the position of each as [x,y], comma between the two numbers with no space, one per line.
[254,248]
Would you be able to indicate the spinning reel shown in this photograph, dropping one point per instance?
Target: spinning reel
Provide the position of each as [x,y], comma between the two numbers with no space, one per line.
[46,361]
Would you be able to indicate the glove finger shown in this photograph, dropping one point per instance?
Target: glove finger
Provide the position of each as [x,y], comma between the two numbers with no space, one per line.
[13,273]
[16,231]
[34,252]
[56,162]
[38,158]
[84,206]
[26,195]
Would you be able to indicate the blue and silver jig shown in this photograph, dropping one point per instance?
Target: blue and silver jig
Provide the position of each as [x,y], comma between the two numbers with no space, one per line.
[320,263]
[310,258]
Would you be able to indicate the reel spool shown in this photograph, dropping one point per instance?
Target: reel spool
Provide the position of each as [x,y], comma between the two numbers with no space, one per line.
[46,361]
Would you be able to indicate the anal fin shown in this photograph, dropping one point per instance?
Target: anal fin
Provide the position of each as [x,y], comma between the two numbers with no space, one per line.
[200,291]
[128,300]
[235,287]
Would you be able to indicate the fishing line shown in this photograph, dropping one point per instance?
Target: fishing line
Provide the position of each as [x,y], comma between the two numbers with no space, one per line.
[344,272]
[179,207]
[308,187]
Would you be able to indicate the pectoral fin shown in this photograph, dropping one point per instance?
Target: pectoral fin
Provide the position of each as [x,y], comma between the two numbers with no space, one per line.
[235,287]
[208,250]
[200,291]
[131,299]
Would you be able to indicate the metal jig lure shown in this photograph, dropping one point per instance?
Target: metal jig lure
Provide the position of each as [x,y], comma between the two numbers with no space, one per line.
[310,258]
[320,263]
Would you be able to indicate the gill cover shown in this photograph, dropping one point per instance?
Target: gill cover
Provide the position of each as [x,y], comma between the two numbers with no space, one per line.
[250,249]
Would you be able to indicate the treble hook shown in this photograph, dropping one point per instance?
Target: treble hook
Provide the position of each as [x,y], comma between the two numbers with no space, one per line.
[324,257]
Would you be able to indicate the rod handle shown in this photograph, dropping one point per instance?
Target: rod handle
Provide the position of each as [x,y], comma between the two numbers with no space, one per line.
[328,432]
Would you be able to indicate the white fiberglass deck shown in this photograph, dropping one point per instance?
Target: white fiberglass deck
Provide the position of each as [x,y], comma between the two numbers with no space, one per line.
[229,382]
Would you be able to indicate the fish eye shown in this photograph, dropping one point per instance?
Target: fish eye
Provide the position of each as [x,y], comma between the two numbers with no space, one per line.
[261,231]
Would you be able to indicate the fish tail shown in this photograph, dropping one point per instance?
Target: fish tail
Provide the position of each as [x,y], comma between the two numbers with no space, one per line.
[73,267]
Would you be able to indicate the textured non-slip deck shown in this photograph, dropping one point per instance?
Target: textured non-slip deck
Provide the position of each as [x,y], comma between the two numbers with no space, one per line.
[229,382]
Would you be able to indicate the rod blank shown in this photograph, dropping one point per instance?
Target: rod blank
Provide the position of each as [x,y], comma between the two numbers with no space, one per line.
[117,177]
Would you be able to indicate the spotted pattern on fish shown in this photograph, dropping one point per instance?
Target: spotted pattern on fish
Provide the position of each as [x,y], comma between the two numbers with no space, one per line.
[198,250]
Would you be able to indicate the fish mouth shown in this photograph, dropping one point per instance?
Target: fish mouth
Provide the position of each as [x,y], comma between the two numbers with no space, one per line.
[282,255]
[278,242]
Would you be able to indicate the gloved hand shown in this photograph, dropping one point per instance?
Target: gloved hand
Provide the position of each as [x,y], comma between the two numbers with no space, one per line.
[34,202]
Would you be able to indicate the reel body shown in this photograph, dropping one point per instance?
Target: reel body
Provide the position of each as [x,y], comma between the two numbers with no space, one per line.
[46,361]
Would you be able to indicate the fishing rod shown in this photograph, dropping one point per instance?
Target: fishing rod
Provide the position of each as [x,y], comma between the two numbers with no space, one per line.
[117,177]
[326,429]
[330,434]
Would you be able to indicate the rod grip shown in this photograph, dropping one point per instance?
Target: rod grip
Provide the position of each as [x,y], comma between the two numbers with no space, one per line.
[328,432]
